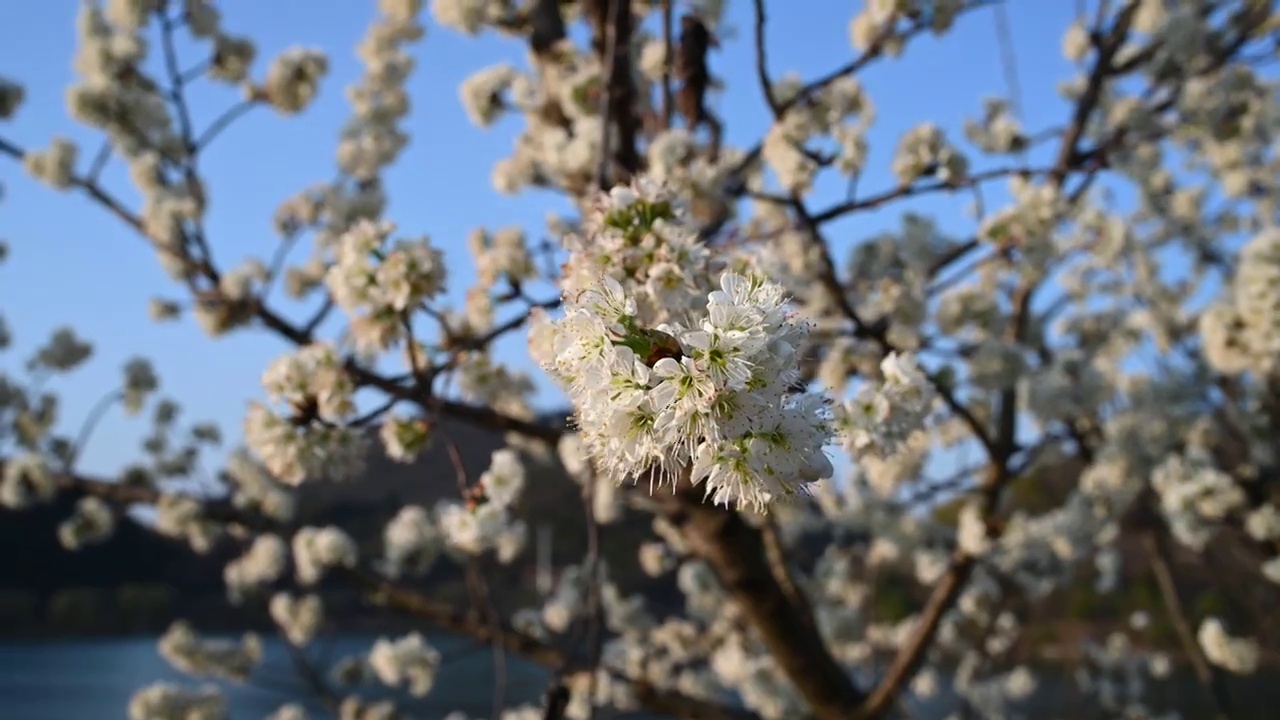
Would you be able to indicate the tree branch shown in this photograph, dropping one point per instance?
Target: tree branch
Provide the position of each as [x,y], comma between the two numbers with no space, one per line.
[736,553]
[1005,443]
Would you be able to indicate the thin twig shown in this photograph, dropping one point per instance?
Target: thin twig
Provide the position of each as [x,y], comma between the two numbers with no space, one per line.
[99,161]
[668,64]
[195,72]
[90,424]
[1210,678]
[1009,67]
[609,29]
[311,677]
[222,122]
[480,592]
[593,609]
[762,62]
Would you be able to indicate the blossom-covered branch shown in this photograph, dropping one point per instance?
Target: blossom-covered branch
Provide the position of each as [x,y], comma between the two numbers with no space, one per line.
[788,418]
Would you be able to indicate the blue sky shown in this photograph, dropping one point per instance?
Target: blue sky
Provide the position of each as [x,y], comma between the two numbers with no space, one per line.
[71,263]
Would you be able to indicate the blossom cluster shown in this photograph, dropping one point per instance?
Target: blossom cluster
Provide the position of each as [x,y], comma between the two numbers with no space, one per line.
[309,442]
[182,517]
[316,551]
[1195,497]
[484,521]
[256,490]
[1237,655]
[167,700]
[1241,331]
[786,146]
[299,618]
[408,661]
[640,235]
[26,480]
[90,523]
[710,396]
[262,564]
[188,652]
[880,418]
[378,284]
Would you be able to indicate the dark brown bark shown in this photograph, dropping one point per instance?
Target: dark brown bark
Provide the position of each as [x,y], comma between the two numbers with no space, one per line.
[737,553]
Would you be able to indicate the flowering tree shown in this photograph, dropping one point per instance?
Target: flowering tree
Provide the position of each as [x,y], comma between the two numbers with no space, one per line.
[719,354]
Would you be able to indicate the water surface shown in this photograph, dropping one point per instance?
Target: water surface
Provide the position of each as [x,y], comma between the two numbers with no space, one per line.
[94,679]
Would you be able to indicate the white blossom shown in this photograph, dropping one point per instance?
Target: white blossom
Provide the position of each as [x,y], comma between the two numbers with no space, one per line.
[408,661]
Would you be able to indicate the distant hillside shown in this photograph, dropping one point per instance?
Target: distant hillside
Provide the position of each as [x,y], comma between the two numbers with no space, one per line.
[138,581]
[36,561]
[1217,581]
[137,568]
[387,484]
